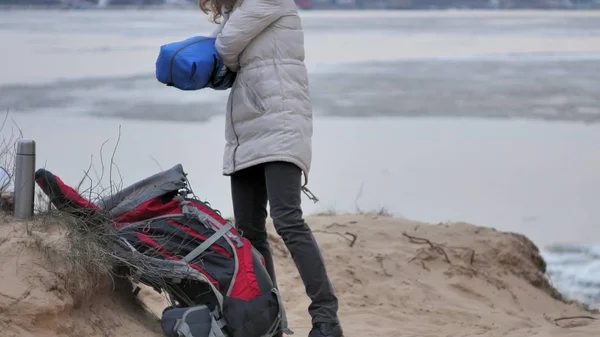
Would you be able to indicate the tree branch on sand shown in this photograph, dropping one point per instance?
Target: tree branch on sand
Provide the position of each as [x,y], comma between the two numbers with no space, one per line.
[380,258]
[556,320]
[438,248]
[351,237]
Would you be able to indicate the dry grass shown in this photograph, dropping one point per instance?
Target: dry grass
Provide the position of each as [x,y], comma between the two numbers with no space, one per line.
[80,247]
[75,249]
[76,252]
[379,212]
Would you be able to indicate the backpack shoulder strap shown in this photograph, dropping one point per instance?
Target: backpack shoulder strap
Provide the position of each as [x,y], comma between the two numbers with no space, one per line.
[193,211]
[206,244]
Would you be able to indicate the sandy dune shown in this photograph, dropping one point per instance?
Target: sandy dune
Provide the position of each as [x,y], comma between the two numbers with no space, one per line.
[471,281]
[39,297]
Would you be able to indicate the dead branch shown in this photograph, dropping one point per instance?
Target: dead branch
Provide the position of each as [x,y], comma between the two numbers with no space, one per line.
[345,235]
[354,237]
[335,224]
[8,296]
[574,317]
[471,250]
[437,248]
[415,257]
[379,259]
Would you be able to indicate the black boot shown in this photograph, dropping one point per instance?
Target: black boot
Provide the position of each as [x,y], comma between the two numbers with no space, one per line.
[326,330]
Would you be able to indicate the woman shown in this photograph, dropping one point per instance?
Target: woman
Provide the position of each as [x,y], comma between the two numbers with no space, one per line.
[268,137]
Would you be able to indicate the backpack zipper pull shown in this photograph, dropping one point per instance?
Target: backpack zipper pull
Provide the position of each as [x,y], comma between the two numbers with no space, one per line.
[310,194]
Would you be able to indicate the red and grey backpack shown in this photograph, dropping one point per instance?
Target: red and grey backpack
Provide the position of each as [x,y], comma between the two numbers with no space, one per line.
[216,280]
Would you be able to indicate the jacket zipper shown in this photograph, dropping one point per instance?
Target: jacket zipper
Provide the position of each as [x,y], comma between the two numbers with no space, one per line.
[177,52]
[237,140]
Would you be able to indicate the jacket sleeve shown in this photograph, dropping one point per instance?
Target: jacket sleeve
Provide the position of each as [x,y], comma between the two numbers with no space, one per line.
[220,26]
[245,23]
[217,31]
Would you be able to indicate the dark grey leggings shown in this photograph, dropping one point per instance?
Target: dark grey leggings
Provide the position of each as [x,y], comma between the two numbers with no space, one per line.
[280,184]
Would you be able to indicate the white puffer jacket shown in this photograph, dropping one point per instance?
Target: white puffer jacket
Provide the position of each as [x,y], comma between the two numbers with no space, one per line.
[269,112]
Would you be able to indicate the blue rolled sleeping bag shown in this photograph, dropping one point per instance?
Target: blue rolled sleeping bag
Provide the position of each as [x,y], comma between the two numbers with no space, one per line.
[193,64]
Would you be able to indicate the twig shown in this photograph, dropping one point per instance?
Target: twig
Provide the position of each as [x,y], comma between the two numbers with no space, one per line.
[358,195]
[437,248]
[8,296]
[352,241]
[415,257]
[18,128]
[157,163]
[101,166]
[112,160]
[471,257]
[354,237]
[379,259]
[336,224]
[574,317]
[5,119]
[85,174]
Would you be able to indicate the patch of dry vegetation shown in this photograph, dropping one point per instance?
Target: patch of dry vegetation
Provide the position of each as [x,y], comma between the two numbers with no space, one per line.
[63,273]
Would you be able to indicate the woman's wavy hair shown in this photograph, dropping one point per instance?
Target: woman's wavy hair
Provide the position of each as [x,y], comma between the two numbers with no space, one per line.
[216,8]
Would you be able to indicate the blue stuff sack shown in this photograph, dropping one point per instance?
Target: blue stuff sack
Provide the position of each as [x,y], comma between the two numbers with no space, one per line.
[193,64]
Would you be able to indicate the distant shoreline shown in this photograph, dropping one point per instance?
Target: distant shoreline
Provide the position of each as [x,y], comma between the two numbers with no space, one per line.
[87,6]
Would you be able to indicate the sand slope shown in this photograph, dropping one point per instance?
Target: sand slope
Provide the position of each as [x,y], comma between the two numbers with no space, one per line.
[388,286]
[489,284]
[39,299]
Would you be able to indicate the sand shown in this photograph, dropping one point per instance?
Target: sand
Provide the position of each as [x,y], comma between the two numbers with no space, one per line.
[40,298]
[471,281]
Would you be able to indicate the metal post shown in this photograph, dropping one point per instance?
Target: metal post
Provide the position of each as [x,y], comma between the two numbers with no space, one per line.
[24,178]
